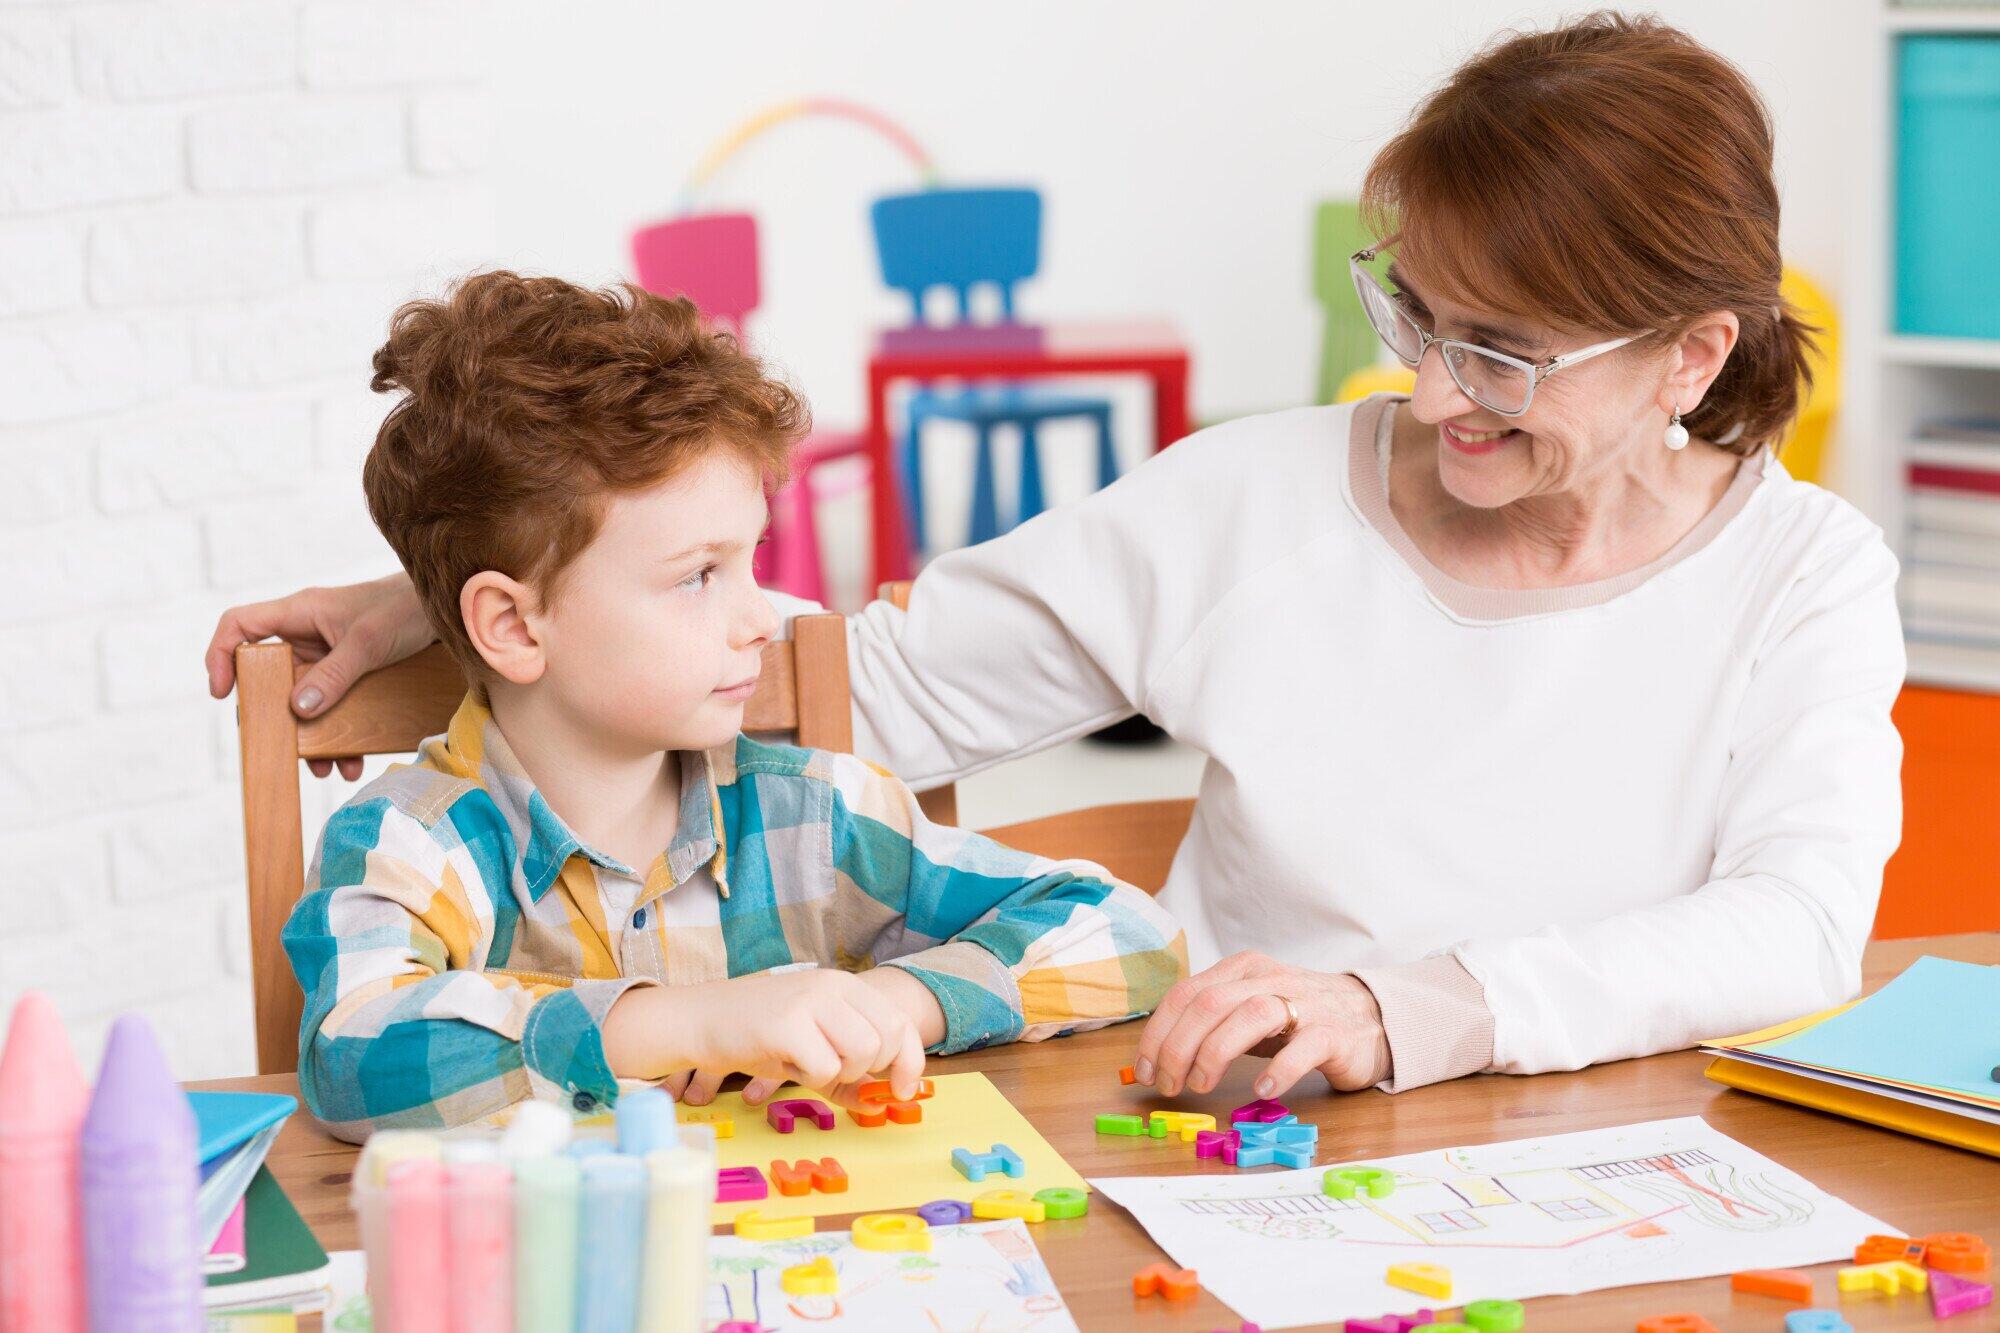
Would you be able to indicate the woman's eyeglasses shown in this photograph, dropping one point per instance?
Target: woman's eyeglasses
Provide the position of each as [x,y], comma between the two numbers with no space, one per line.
[1494,380]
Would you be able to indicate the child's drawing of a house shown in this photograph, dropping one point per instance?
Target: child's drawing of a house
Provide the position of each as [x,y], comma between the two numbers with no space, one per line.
[1537,1208]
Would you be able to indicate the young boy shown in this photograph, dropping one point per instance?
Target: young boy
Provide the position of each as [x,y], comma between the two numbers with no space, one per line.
[591,875]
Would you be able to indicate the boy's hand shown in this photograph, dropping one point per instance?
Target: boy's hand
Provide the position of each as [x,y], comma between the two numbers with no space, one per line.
[698,1087]
[817,1027]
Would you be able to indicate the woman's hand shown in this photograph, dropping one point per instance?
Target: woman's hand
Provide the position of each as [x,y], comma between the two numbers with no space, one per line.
[345,632]
[1235,1009]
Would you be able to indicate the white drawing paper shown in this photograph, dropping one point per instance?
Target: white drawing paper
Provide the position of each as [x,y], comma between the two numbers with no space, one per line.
[1654,1202]
[978,1277]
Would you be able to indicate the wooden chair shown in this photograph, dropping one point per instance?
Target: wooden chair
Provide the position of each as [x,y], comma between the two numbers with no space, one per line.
[1134,840]
[803,691]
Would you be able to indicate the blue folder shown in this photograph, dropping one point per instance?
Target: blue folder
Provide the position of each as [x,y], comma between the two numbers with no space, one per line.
[226,1119]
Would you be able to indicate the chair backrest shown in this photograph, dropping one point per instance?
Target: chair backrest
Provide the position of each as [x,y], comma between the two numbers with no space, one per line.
[958,238]
[710,258]
[1347,341]
[803,691]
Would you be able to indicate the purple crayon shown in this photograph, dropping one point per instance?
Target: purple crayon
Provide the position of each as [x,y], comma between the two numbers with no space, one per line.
[139,1175]
[42,1100]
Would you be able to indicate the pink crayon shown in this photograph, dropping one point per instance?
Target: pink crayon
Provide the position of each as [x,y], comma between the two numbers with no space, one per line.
[417,1262]
[138,1172]
[42,1101]
[479,1234]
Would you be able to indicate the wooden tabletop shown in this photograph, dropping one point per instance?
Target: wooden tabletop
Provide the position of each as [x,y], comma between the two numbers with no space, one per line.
[1060,1085]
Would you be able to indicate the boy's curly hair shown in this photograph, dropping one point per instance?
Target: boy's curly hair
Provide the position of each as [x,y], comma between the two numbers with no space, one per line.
[527,402]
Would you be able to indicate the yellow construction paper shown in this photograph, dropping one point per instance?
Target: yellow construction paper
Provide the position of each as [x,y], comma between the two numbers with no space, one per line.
[891,1166]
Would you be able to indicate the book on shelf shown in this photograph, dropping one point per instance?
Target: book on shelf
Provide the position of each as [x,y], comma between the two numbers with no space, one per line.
[1972,633]
[1933,546]
[1950,590]
[1949,511]
[1969,430]
[1955,663]
[1953,454]
[1955,479]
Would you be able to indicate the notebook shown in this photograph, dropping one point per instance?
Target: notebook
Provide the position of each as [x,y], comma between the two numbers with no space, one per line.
[1917,1056]
[282,1261]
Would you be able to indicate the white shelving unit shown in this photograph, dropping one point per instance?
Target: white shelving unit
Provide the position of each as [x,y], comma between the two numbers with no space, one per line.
[1892,382]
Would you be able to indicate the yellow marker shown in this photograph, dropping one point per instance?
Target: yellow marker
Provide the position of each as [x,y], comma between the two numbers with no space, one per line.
[1183,1123]
[1432,1280]
[1009,1203]
[814,1279]
[723,1123]
[892,1231]
[753,1225]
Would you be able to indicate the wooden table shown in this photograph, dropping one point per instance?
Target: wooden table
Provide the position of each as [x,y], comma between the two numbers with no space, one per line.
[1151,348]
[1060,1084]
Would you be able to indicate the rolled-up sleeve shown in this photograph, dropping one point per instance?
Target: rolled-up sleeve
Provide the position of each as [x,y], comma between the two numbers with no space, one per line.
[401,1030]
[1015,947]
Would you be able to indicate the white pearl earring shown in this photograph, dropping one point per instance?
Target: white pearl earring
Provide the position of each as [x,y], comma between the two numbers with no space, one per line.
[1677,434]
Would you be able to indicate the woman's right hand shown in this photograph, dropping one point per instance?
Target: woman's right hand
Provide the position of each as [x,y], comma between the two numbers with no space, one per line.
[344,632]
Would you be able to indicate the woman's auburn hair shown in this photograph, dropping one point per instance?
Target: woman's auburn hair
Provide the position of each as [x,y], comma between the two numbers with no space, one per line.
[1609,176]
[527,403]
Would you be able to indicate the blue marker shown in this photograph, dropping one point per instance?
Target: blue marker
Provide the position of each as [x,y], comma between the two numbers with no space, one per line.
[646,1122]
[611,1230]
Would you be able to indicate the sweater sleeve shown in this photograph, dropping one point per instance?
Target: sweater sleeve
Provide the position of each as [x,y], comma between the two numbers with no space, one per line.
[1810,810]
[1064,625]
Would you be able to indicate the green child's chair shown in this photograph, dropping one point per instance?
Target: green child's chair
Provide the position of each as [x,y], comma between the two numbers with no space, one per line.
[1347,343]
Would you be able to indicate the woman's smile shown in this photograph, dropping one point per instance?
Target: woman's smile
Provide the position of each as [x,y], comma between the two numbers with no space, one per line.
[1474,442]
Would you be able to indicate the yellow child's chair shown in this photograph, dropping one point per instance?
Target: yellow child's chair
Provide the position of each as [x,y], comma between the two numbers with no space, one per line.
[1803,450]
[1376,379]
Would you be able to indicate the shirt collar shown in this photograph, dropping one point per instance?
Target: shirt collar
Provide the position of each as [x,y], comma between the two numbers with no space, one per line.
[473,748]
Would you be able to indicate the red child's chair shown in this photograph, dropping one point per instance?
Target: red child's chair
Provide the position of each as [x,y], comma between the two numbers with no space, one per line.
[712,259]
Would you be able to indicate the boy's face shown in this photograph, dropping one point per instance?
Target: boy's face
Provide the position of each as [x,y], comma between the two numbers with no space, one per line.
[655,637]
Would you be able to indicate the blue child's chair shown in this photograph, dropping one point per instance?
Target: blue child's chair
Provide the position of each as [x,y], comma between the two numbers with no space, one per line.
[960,239]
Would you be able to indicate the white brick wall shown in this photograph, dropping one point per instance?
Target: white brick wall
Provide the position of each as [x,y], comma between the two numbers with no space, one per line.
[208,209]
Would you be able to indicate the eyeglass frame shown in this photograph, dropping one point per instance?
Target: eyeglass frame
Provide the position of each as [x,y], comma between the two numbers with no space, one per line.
[1537,371]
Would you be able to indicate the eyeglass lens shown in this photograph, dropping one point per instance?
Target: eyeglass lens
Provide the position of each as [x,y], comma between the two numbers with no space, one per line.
[1500,386]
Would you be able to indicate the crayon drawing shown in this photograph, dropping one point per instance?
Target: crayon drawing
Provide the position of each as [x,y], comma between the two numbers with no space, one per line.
[980,1277]
[1575,1212]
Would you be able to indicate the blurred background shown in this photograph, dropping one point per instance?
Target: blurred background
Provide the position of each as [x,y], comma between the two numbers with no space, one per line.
[208,209]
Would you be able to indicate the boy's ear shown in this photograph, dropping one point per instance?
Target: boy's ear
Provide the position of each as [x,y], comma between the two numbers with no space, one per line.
[500,616]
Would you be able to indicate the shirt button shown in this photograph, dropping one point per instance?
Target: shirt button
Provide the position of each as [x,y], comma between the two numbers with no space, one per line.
[583,1101]
[639,917]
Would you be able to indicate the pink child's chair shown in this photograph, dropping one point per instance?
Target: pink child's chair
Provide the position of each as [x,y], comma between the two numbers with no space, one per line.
[711,258]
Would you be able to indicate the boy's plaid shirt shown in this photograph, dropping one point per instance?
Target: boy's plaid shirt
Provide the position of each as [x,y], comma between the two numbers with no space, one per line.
[459,947]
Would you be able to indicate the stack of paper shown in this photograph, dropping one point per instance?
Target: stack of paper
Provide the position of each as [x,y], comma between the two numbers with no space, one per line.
[1918,1056]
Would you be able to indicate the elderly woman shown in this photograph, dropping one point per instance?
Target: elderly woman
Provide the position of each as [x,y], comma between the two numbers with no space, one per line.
[1547,718]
